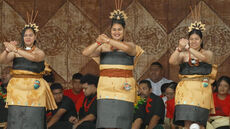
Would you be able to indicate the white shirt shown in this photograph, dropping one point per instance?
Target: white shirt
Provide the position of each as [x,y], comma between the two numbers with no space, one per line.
[156,87]
[165,99]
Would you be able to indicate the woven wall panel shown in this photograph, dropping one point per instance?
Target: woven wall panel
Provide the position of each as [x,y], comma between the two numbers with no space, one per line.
[221,8]
[82,32]
[217,35]
[52,39]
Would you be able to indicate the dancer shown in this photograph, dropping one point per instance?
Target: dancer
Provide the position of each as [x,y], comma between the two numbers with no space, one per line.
[193,98]
[116,87]
[28,94]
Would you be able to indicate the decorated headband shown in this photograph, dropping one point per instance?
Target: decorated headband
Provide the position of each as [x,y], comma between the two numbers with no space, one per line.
[30,21]
[196,17]
[118,14]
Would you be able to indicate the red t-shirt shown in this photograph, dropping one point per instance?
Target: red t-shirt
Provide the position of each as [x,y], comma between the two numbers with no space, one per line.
[75,97]
[222,107]
[79,103]
[170,108]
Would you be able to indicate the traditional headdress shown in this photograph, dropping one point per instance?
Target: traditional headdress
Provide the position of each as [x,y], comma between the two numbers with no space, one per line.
[196,17]
[30,21]
[118,14]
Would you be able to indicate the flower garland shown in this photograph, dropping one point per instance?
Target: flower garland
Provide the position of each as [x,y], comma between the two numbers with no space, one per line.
[140,101]
[2,94]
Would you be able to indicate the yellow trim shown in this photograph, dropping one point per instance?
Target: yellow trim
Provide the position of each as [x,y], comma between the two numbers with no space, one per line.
[23,72]
[3,125]
[126,67]
[139,52]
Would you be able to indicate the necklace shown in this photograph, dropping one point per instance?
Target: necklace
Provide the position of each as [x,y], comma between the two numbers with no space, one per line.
[193,62]
[148,105]
[2,94]
[30,49]
[113,48]
[86,107]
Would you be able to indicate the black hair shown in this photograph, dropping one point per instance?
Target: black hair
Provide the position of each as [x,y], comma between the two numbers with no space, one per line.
[49,77]
[90,79]
[22,36]
[214,85]
[172,85]
[3,87]
[199,33]
[225,78]
[164,87]
[146,82]
[120,21]
[55,86]
[77,76]
[158,64]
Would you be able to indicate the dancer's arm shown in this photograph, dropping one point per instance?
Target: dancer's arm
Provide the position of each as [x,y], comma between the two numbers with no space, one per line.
[128,47]
[205,56]
[6,56]
[177,57]
[37,55]
[94,49]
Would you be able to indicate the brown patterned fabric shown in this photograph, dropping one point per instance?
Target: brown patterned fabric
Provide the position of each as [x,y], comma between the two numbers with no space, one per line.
[116,73]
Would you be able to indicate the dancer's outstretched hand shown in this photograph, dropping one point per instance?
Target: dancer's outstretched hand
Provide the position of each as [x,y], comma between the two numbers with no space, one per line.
[104,38]
[10,47]
[182,43]
[15,43]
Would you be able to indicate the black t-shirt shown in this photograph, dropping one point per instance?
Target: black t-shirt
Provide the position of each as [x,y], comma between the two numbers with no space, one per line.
[89,106]
[69,106]
[154,106]
[3,87]
[3,111]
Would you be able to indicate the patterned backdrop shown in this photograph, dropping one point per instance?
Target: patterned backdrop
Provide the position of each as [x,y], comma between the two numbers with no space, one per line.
[68,26]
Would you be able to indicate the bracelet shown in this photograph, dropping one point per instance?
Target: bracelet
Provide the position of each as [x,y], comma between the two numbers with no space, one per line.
[178,49]
[98,43]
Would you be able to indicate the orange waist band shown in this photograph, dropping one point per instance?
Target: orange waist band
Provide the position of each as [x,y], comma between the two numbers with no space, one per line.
[116,73]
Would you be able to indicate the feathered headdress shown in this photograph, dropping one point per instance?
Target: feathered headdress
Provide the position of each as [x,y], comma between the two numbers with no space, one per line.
[30,21]
[196,17]
[118,14]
